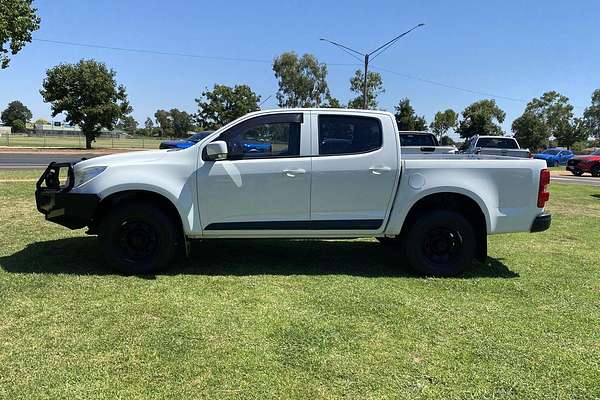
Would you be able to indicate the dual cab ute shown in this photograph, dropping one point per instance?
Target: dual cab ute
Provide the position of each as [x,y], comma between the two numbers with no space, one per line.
[321,173]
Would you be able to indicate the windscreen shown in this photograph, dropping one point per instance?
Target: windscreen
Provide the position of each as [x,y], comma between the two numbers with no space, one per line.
[407,139]
[497,143]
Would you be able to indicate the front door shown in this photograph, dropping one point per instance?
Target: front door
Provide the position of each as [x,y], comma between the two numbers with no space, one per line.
[264,185]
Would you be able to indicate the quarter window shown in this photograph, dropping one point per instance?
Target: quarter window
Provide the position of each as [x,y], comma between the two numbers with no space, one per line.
[340,134]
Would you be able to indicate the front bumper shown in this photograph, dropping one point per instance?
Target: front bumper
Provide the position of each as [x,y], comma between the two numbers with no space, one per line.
[541,223]
[59,204]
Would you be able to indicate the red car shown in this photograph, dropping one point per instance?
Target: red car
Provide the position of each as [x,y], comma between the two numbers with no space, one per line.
[580,164]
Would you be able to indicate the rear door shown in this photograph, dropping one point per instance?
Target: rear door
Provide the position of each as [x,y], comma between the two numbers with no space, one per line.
[355,170]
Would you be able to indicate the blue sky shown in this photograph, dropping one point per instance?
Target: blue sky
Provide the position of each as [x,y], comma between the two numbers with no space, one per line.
[515,49]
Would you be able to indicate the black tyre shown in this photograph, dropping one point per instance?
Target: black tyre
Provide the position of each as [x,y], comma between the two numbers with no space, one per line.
[550,163]
[440,243]
[388,241]
[138,238]
[577,172]
[595,170]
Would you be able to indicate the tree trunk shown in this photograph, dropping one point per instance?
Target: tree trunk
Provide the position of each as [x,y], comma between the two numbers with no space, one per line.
[89,138]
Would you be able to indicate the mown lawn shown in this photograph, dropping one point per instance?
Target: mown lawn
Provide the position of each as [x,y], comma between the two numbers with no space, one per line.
[299,319]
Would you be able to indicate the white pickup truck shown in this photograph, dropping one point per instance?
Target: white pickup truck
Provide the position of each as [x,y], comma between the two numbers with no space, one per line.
[297,173]
[495,146]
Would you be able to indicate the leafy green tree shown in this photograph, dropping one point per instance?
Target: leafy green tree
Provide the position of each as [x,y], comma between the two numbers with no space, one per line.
[530,131]
[570,133]
[479,117]
[18,125]
[332,102]
[149,126]
[443,121]
[15,111]
[17,20]
[41,121]
[302,80]
[128,124]
[88,94]
[164,121]
[406,118]
[447,141]
[224,104]
[591,116]
[182,122]
[374,87]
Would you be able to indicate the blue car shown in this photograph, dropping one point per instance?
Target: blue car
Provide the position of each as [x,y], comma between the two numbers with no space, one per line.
[555,157]
[184,143]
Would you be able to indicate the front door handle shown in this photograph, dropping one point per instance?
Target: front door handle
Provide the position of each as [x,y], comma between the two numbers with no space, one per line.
[293,172]
[379,170]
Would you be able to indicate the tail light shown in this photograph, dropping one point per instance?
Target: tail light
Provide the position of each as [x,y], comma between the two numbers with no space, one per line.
[543,194]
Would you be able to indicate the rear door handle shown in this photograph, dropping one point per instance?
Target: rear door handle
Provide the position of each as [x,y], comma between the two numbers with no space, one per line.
[293,172]
[379,170]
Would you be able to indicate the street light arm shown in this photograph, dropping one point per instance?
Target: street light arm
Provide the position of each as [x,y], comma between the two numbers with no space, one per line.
[343,47]
[389,44]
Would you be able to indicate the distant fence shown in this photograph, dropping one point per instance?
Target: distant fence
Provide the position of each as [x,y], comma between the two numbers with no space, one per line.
[76,140]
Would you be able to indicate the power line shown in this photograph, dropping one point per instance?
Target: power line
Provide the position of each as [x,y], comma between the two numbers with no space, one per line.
[166,53]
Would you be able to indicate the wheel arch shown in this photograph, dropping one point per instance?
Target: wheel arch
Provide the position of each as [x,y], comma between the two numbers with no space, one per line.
[457,202]
[136,195]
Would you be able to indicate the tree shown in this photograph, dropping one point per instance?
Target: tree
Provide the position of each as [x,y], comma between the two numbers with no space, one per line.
[406,118]
[302,80]
[15,111]
[163,120]
[17,20]
[41,121]
[591,116]
[149,126]
[182,122]
[128,124]
[89,95]
[18,125]
[556,115]
[479,117]
[374,87]
[224,104]
[530,131]
[443,122]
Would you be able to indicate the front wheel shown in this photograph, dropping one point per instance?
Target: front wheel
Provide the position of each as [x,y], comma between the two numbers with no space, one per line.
[138,238]
[596,171]
[440,243]
[577,172]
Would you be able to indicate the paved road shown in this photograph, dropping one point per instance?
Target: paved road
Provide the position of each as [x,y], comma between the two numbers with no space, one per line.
[576,180]
[33,160]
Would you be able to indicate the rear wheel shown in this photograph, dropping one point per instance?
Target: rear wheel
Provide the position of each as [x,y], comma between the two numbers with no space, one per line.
[138,238]
[440,243]
[550,163]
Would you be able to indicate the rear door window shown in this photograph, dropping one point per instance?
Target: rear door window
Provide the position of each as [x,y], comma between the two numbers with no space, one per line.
[341,134]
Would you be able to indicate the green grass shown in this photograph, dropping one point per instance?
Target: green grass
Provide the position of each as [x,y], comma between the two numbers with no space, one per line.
[78,142]
[300,319]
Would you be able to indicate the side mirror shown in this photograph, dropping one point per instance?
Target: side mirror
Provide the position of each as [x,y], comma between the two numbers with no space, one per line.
[216,150]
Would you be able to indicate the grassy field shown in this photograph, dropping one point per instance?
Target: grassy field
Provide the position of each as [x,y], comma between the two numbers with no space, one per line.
[78,142]
[299,319]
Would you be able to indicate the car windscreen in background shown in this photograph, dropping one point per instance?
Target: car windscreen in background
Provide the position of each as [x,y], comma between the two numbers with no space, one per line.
[416,140]
[497,143]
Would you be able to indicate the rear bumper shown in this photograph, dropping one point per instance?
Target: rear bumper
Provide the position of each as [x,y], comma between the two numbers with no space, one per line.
[72,210]
[541,223]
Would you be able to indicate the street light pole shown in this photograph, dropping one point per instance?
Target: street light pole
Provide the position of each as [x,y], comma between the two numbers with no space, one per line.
[370,57]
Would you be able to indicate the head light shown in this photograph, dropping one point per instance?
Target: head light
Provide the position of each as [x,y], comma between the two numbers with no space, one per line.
[87,174]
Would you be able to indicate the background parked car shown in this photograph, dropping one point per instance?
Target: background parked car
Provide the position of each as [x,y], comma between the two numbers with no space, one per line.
[184,143]
[495,146]
[555,156]
[578,165]
[416,142]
